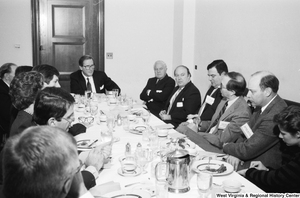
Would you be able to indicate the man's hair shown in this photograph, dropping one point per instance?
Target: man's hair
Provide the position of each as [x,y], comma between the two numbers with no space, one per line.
[289,119]
[268,80]
[51,102]
[160,62]
[187,69]
[24,88]
[23,68]
[37,162]
[236,83]
[220,66]
[47,70]
[83,58]
[5,68]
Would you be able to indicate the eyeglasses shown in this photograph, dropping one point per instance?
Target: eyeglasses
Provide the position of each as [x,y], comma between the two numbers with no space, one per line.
[81,164]
[88,66]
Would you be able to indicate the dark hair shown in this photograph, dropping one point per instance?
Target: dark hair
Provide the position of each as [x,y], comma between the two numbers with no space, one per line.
[5,68]
[220,66]
[183,66]
[289,119]
[51,102]
[269,81]
[24,88]
[236,83]
[37,162]
[47,70]
[83,58]
[23,68]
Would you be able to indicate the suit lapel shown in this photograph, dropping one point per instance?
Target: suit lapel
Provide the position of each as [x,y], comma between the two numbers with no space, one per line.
[231,109]
[179,96]
[82,80]
[216,114]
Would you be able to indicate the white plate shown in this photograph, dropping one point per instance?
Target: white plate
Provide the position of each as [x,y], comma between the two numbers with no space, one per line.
[128,194]
[83,145]
[201,165]
[137,129]
[134,173]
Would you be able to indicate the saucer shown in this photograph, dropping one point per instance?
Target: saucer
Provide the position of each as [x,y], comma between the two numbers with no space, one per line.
[134,173]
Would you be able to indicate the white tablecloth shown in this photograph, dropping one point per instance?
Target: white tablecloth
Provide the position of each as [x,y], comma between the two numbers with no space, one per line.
[118,150]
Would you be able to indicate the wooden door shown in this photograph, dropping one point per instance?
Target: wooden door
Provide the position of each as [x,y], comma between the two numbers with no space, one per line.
[66,30]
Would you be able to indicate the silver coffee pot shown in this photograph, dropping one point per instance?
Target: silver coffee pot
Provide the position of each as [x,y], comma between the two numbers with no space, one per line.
[179,168]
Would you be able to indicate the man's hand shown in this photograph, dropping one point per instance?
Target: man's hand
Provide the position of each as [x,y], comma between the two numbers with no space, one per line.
[242,172]
[165,117]
[191,116]
[234,161]
[95,158]
[258,165]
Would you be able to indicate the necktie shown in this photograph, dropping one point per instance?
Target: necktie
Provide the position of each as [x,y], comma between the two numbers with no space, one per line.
[204,104]
[173,99]
[88,85]
[219,115]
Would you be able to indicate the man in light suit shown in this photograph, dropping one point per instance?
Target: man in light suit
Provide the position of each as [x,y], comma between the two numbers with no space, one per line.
[260,142]
[185,98]
[232,112]
[215,71]
[86,78]
[158,88]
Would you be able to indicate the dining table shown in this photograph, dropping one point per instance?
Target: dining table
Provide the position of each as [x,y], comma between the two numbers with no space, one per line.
[122,137]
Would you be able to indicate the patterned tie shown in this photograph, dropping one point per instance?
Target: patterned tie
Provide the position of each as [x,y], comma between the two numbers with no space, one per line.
[219,115]
[173,99]
[88,85]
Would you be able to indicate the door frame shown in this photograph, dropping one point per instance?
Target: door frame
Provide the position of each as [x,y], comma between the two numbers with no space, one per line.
[36,45]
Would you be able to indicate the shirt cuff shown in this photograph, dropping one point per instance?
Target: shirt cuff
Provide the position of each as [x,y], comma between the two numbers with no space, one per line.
[92,170]
[87,195]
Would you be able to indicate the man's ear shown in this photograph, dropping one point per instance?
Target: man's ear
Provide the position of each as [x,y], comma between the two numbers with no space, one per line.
[80,67]
[268,91]
[52,122]
[67,186]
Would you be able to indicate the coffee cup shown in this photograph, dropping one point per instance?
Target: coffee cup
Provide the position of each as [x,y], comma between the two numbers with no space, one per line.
[128,164]
[232,186]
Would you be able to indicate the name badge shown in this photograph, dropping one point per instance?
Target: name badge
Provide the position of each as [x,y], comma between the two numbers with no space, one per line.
[179,104]
[101,87]
[209,100]
[247,130]
[158,91]
[223,124]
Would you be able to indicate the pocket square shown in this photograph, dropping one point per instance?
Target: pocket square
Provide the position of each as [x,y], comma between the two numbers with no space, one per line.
[101,87]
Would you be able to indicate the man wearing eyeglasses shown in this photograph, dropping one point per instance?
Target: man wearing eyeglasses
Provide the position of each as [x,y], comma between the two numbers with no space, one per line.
[42,162]
[87,79]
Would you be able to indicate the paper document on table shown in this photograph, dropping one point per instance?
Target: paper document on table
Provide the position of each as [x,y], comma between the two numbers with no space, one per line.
[165,126]
[176,135]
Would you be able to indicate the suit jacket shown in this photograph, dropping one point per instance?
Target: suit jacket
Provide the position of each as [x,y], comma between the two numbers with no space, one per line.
[101,80]
[159,93]
[209,110]
[237,115]
[5,106]
[187,102]
[264,144]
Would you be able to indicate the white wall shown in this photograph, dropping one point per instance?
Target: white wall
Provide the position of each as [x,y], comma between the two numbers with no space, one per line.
[250,35]
[15,28]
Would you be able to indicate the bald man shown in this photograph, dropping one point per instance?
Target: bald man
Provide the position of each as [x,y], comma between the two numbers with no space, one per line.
[158,88]
[260,141]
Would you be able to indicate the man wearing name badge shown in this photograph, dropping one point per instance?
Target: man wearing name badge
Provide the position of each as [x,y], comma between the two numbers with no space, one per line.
[158,88]
[259,141]
[87,79]
[185,98]
[216,71]
[232,112]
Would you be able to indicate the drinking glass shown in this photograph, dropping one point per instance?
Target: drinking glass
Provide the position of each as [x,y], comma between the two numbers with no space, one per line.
[143,157]
[146,116]
[110,121]
[204,182]
[116,92]
[106,136]
[94,109]
[161,176]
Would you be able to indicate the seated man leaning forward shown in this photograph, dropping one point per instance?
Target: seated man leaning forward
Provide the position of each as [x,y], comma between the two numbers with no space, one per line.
[158,88]
[184,100]
[259,141]
[87,79]
[232,112]
[215,71]
[42,162]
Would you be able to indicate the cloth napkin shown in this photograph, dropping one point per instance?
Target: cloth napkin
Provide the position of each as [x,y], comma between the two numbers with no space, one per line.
[105,188]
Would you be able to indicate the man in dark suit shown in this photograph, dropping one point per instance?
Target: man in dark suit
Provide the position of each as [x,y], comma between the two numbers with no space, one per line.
[259,141]
[215,72]
[184,100]
[7,73]
[87,79]
[158,89]
[232,112]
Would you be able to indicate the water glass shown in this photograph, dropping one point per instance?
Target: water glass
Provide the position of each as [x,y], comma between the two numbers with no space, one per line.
[125,123]
[110,121]
[146,116]
[204,182]
[143,157]
[115,92]
[94,109]
[161,189]
[106,136]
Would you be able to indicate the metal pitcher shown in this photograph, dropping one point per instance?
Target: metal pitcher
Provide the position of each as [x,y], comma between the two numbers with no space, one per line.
[178,178]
